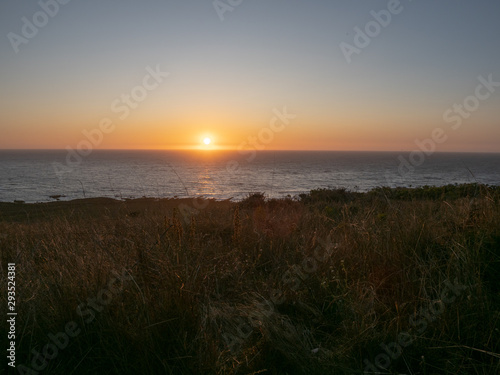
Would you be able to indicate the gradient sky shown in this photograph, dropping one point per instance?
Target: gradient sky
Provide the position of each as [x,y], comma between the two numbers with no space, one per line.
[226,77]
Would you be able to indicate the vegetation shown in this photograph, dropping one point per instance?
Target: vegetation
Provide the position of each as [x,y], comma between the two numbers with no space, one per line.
[320,284]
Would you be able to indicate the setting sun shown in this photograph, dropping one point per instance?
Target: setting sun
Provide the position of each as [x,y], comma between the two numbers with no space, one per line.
[207,141]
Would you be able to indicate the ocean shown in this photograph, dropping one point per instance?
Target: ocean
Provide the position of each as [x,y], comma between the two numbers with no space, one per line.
[43,175]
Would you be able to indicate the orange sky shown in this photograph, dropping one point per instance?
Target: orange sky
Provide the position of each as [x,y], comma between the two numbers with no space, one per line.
[193,76]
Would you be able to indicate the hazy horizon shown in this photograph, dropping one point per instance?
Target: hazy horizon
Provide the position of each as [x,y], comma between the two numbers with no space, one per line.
[236,150]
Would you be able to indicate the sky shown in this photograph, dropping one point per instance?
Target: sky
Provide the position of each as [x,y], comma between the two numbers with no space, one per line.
[269,74]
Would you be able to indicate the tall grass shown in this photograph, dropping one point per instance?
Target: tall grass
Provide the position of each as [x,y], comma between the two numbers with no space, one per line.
[196,295]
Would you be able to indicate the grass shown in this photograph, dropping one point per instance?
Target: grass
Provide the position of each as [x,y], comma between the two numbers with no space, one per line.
[167,287]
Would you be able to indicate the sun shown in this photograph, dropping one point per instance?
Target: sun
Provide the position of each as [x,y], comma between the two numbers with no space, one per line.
[207,141]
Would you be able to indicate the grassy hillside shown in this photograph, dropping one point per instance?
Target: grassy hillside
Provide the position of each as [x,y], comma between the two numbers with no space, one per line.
[333,282]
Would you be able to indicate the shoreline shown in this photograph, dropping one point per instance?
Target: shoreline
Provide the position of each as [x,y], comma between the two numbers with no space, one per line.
[133,207]
[56,198]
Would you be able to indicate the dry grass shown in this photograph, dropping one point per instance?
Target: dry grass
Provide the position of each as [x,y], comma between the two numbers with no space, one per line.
[197,290]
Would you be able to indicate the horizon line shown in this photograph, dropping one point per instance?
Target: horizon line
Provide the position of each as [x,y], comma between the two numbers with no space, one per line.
[270,150]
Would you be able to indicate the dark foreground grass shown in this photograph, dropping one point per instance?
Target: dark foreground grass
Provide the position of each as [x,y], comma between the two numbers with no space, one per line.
[334,282]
